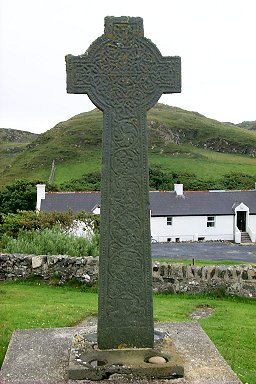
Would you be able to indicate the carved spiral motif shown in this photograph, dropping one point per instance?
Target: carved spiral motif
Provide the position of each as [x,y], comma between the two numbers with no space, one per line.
[121,71]
[124,74]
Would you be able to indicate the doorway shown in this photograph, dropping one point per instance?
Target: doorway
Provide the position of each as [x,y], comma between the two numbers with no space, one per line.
[241,221]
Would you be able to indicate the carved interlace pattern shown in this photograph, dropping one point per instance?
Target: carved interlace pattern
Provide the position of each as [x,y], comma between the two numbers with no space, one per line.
[124,74]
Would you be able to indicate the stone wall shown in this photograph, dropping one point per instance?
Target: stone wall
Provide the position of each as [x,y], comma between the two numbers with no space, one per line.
[55,269]
[167,278]
[234,280]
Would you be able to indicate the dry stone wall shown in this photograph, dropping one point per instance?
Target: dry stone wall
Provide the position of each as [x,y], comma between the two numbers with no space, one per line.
[167,278]
[234,280]
[55,269]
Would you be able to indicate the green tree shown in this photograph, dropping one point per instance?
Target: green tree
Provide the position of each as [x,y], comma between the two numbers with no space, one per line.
[160,180]
[21,195]
[87,182]
[235,180]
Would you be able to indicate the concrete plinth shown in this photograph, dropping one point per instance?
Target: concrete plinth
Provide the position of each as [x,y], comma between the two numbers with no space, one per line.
[41,356]
[89,362]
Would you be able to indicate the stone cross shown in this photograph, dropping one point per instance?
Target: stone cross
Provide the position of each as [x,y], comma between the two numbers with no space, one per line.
[124,75]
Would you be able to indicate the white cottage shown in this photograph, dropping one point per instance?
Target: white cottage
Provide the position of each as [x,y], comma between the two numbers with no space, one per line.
[177,215]
[203,215]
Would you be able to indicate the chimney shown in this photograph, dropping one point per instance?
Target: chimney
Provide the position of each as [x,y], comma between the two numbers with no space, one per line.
[40,189]
[178,188]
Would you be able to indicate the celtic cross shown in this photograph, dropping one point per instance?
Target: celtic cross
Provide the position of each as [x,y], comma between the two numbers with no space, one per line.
[124,75]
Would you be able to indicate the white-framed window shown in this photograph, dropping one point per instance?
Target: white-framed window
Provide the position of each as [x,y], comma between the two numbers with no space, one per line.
[210,221]
[169,220]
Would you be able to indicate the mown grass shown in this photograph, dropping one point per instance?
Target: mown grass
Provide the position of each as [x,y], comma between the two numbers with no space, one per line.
[31,305]
[231,327]
[198,262]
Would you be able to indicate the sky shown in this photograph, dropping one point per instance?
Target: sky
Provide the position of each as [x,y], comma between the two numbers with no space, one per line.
[214,38]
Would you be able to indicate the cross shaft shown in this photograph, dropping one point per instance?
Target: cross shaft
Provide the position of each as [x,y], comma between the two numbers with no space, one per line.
[124,75]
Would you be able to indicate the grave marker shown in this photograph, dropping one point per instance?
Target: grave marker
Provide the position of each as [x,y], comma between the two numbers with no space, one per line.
[124,75]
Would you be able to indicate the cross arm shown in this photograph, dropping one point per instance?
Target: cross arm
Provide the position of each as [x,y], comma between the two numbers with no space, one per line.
[78,73]
[169,74]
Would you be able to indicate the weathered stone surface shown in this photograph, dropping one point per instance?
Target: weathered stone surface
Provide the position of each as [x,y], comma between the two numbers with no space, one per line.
[59,268]
[166,278]
[124,75]
[41,356]
[89,362]
[37,261]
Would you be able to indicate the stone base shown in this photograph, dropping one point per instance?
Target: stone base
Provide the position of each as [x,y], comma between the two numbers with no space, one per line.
[88,362]
[41,356]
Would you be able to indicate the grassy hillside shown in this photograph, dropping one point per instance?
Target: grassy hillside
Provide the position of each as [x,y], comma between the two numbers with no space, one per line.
[8,136]
[12,143]
[248,125]
[179,141]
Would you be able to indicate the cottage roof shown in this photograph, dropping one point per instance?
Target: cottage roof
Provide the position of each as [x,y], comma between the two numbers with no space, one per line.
[74,201]
[162,203]
[194,203]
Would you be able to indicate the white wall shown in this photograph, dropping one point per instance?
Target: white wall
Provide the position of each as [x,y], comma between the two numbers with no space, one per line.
[40,194]
[252,222]
[81,229]
[190,228]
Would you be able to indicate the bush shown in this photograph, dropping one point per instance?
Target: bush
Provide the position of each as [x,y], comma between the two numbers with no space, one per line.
[235,180]
[87,182]
[21,195]
[48,233]
[11,223]
[53,241]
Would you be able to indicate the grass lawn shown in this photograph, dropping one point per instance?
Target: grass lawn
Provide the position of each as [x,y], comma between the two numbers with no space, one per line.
[231,327]
[198,262]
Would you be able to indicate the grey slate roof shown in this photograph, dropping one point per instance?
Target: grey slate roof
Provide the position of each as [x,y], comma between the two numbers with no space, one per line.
[200,203]
[74,201]
[162,203]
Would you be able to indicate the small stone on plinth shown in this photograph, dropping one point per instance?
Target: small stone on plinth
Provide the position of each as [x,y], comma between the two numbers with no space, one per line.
[157,360]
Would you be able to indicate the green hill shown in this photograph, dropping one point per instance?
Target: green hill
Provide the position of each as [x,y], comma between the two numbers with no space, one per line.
[248,125]
[13,136]
[12,143]
[179,141]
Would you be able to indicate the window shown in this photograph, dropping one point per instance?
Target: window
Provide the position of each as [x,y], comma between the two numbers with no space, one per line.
[210,221]
[169,220]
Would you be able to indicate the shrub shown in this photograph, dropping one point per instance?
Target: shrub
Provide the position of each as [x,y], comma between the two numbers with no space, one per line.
[11,223]
[87,182]
[53,241]
[21,195]
[235,180]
